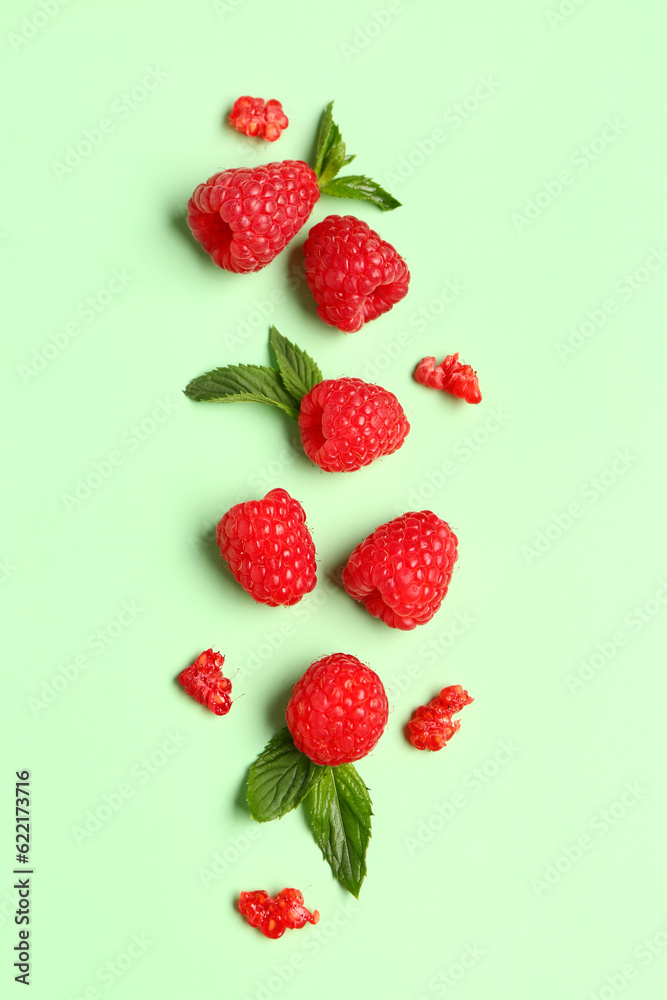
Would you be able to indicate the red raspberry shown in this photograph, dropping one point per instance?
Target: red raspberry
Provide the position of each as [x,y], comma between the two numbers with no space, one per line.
[451,376]
[253,117]
[346,423]
[269,548]
[274,914]
[401,572]
[204,682]
[353,274]
[431,726]
[244,217]
[338,710]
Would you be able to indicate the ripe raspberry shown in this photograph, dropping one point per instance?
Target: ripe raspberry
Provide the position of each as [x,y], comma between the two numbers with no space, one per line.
[353,274]
[338,710]
[401,572]
[451,376]
[269,548]
[204,682]
[252,117]
[346,423]
[244,217]
[431,726]
[274,914]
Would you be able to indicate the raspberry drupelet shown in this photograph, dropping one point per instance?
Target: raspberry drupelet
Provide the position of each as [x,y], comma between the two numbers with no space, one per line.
[431,726]
[254,118]
[203,681]
[273,915]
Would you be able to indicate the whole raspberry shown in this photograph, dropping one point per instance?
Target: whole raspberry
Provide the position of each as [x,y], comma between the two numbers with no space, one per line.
[269,549]
[204,682]
[346,423]
[431,726]
[353,274]
[252,117]
[401,572]
[338,710]
[244,217]
[272,915]
[451,376]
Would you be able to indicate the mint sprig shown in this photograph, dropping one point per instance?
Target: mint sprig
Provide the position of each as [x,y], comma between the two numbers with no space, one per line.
[339,811]
[336,801]
[280,778]
[331,155]
[285,387]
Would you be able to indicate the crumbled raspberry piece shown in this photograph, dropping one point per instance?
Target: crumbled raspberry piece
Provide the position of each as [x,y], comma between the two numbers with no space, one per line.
[252,117]
[204,682]
[273,915]
[431,726]
[451,376]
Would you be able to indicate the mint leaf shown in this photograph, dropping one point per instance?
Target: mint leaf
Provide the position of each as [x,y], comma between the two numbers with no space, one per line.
[280,778]
[297,369]
[349,158]
[339,811]
[330,153]
[242,383]
[363,188]
[323,136]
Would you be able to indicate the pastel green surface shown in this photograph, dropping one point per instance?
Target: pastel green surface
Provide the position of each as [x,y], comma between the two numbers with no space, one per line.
[528,149]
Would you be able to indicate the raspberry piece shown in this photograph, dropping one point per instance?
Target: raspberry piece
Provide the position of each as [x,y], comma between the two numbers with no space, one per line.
[431,726]
[353,274]
[244,217]
[252,117]
[338,710]
[402,570]
[272,915]
[346,423]
[204,682]
[451,376]
[269,548]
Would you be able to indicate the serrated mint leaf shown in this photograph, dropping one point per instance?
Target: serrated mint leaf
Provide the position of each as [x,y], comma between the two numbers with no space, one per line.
[363,188]
[348,159]
[280,778]
[242,383]
[323,135]
[297,369]
[339,811]
[330,154]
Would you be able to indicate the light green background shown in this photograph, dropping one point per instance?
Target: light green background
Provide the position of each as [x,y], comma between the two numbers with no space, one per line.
[515,95]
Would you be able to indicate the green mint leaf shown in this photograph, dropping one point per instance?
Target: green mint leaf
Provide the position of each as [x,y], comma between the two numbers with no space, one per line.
[339,811]
[330,155]
[297,369]
[242,383]
[323,134]
[280,778]
[358,186]
[349,158]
